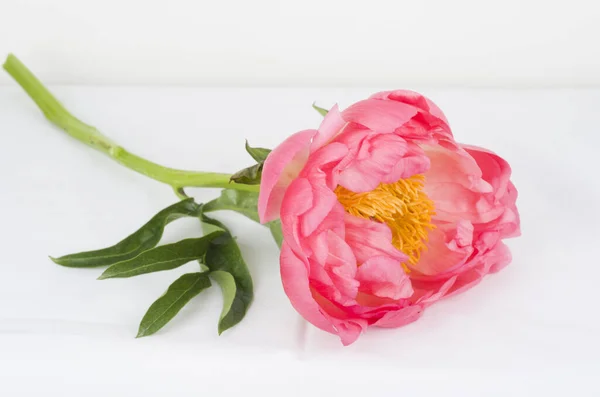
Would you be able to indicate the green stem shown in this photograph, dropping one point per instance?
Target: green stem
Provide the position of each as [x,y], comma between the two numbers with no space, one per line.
[58,115]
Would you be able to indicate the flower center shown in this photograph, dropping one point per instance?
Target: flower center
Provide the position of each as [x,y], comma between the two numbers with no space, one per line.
[402,205]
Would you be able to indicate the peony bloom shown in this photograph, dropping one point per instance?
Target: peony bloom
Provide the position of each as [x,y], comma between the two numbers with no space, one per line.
[383,213]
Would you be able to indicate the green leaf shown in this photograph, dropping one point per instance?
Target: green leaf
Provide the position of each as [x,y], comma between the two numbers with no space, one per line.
[251,175]
[232,307]
[224,256]
[165,257]
[275,228]
[322,112]
[143,239]
[258,153]
[248,176]
[245,203]
[210,225]
[173,300]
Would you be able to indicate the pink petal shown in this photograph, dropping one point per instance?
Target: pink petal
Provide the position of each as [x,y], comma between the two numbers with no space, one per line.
[331,286]
[455,166]
[377,157]
[439,294]
[384,277]
[401,317]
[454,202]
[431,113]
[282,165]
[454,182]
[323,201]
[319,246]
[341,262]
[347,327]
[298,199]
[335,280]
[331,126]
[294,275]
[492,261]
[349,331]
[369,238]
[498,258]
[508,224]
[414,162]
[413,98]
[317,243]
[307,211]
[495,170]
[378,115]
[324,161]
[446,250]
[461,236]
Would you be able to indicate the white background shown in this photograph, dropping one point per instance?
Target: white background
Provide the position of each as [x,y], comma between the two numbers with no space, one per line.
[531,329]
[517,43]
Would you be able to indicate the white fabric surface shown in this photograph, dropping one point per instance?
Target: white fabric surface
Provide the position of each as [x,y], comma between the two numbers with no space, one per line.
[333,42]
[530,329]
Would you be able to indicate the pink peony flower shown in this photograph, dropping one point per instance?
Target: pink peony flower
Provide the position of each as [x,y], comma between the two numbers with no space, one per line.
[383,213]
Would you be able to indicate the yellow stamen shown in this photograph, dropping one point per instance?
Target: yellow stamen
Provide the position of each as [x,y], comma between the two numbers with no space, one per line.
[402,205]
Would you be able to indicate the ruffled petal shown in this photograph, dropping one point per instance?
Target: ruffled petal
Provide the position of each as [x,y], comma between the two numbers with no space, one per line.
[494,169]
[448,248]
[323,201]
[381,116]
[455,166]
[455,183]
[331,125]
[282,165]
[323,162]
[377,157]
[298,199]
[295,277]
[335,279]
[414,162]
[432,115]
[369,239]
[432,295]
[496,172]
[317,243]
[384,277]
[345,324]
[492,261]
[400,317]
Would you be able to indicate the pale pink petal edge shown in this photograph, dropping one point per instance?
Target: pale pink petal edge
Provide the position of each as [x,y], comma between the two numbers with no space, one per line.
[277,175]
